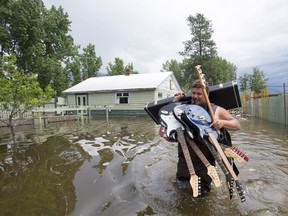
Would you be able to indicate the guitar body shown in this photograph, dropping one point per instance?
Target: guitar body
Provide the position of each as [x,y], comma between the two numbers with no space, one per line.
[198,118]
[168,122]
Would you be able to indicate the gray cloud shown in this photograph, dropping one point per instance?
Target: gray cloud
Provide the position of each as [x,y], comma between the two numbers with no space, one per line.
[248,33]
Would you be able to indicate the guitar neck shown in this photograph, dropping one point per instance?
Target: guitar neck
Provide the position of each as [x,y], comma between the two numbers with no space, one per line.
[208,101]
[181,140]
[198,71]
[229,179]
[223,156]
[228,166]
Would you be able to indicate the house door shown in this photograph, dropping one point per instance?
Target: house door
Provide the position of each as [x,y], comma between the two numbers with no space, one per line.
[82,101]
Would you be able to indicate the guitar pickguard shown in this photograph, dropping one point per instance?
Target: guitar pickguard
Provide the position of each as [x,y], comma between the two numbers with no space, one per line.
[199,119]
[168,121]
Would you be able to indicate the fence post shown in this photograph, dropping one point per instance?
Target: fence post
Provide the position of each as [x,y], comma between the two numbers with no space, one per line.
[284,104]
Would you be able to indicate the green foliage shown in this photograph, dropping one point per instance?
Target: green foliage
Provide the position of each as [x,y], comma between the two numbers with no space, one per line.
[24,29]
[73,70]
[244,82]
[19,92]
[200,50]
[40,40]
[90,62]
[130,68]
[253,82]
[218,70]
[118,68]
[176,68]
[200,44]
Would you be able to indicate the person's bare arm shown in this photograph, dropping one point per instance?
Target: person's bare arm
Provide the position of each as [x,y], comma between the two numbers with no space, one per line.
[225,120]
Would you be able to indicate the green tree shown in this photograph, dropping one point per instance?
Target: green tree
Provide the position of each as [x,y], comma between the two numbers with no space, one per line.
[73,70]
[130,68]
[253,82]
[5,12]
[19,93]
[39,38]
[90,63]
[175,67]
[218,70]
[244,82]
[201,50]
[258,81]
[24,27]
[57,46]
[118,68]
[200,45]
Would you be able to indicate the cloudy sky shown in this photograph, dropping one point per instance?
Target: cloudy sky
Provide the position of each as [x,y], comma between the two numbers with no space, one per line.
[147,33]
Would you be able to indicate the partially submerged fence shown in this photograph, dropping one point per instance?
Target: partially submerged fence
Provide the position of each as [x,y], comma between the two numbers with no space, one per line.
[272,107]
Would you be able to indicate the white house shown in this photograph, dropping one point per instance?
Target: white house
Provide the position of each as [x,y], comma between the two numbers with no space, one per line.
[122,94]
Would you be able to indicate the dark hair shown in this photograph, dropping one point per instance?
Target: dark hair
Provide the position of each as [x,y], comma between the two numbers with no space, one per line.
[197,84]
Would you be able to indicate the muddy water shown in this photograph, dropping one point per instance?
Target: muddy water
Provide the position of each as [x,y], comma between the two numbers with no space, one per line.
[123,168]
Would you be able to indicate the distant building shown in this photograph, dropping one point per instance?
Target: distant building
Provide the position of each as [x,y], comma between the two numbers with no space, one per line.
[121,95]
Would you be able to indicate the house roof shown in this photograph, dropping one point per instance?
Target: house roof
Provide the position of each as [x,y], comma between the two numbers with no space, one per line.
[120,82]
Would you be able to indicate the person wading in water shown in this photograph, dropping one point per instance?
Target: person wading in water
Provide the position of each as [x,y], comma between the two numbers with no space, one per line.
[223,121]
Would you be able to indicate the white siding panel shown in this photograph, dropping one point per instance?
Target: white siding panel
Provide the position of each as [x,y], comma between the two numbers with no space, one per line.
[102,98]
[71,101]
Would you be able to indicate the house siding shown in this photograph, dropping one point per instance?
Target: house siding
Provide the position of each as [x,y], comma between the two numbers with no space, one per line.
[99,103]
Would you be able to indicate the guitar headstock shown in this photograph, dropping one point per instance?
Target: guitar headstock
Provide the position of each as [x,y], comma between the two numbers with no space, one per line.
[200,76]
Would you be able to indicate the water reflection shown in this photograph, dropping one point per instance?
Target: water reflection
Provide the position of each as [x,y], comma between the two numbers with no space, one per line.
[37,179]
[124,168]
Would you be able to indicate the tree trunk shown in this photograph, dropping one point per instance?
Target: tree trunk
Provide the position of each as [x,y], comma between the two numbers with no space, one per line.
[12,129]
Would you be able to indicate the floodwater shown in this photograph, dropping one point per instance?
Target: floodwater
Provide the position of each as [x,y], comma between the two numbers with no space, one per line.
[124,168]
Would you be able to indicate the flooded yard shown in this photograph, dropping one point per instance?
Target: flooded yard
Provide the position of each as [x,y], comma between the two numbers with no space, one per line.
[124,168]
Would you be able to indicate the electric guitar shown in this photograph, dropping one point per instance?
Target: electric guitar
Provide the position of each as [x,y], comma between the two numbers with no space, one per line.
[213,139]
[195,181]
[168,122]
[174,131]
[198,118]
[189,137]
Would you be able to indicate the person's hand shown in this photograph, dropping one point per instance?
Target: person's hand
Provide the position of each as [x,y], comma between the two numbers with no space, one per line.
[217,124]
[178,96]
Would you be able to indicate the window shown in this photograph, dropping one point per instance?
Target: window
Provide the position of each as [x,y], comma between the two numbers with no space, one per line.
[160,95]
[122,97]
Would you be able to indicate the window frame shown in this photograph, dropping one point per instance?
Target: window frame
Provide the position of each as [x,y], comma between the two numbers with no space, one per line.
[122,97]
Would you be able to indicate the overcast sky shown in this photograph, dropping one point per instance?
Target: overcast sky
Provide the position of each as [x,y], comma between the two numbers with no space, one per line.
[147,33]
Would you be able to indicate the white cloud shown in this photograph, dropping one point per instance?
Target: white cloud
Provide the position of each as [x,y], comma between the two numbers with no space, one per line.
[247,33]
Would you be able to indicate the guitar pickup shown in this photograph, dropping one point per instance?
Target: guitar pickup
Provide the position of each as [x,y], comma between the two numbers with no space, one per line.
[208,130]
[202,119]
